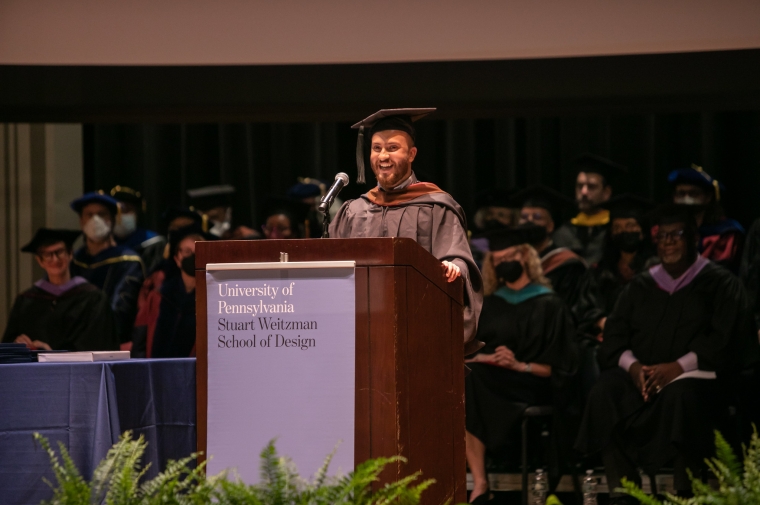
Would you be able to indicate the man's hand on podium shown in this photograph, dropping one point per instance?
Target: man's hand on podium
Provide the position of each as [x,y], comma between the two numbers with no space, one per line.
[451,271]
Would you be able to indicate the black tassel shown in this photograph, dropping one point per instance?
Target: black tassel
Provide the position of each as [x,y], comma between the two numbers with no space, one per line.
[360,157]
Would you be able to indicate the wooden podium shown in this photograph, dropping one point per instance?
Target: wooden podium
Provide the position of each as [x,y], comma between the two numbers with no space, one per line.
[409,351]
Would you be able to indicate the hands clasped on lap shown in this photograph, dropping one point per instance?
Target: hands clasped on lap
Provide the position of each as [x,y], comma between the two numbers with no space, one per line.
[650,380]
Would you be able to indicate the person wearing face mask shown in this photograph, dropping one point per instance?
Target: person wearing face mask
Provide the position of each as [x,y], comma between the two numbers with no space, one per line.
[675,328]
[627,252]
[115,269]
[168,314]
[60,312]
[720,239]
[495,209]
[402,206]
[563,267]
[585,233]
[127,232]
[528,335]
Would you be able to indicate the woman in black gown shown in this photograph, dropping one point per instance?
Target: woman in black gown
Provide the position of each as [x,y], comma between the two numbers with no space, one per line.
[527,331]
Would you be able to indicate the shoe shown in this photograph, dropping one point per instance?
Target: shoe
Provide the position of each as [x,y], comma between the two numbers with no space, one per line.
[483,499]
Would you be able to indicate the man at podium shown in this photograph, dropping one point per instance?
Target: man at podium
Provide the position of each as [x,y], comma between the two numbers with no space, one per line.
[402,206]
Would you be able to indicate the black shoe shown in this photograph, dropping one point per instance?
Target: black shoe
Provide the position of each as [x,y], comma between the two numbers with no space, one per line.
[483,499]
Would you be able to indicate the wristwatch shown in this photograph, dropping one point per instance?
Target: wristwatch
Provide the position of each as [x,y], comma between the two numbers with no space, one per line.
[528,368]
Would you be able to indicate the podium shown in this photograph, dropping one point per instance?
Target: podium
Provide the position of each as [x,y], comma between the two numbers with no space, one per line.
[409,386]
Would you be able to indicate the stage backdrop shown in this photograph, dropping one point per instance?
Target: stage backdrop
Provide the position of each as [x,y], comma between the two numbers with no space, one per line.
[281,364]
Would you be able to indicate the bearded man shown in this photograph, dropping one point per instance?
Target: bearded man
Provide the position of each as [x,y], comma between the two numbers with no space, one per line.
[673,327]
[402,206]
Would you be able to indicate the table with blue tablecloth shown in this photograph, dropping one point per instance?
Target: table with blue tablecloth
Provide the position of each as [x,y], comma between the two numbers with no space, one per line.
[87,406]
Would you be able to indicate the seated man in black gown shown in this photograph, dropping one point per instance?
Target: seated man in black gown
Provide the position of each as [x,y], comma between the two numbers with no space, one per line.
[528,333]
[60,312]
[672,328]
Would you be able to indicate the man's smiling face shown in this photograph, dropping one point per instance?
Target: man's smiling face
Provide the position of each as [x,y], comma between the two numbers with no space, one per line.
[391,158]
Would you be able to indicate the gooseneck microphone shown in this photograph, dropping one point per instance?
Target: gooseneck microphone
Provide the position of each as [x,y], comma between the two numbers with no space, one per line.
[341,181]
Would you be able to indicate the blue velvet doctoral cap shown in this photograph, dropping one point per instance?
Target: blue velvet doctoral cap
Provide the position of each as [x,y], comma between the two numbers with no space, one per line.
[698,177]
[304,190]
[95,197]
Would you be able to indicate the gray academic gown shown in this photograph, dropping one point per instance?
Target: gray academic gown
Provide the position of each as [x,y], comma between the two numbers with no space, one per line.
[437,223]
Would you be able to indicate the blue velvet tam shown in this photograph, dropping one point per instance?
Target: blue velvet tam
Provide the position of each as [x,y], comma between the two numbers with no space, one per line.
[304,190]
[95,197]
[698,177]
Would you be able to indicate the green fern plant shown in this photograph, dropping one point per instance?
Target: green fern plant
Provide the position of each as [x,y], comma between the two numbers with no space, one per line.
[737,484]
[118,481]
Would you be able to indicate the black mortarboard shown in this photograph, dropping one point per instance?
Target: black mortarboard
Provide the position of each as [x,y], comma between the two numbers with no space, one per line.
[176,236]
[296,210]
[210,197]
[173,213]
[542,197]
[95,197]
[128,195]
[495,198]
[594,164]
[628,206]
[697,176]
[382,120]
[527,233]
[47,236]
[670,213]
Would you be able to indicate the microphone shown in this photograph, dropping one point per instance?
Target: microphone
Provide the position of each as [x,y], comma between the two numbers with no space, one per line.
[341,181]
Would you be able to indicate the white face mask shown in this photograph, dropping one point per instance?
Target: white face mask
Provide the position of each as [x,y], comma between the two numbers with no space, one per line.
[222,226]
[126,224]
[687,200]
[96,229]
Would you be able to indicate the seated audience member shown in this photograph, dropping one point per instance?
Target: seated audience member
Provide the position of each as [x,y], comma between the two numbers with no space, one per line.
[60,312]
[684,319]
[284,218]
[628,251]
[148,244]
[115,269]
[168,315]
[527,331]
[563,267]
[749,271]
[594,185]
[720,239]
[494,210]
[310,191]
[214,204]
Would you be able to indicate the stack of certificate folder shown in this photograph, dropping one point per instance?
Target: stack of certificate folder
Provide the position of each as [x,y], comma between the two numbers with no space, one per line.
[16,353]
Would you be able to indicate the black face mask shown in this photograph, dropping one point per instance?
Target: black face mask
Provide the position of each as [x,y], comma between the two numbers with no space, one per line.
[188,265]
[509,271]
[628,241]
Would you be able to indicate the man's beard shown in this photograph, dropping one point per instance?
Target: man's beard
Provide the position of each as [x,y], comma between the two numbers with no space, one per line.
[402,171]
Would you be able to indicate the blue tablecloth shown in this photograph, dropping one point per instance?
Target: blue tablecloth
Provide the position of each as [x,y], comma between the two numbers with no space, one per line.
[87,406]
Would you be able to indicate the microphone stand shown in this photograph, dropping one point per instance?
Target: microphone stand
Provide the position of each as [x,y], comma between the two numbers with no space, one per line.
[326,224]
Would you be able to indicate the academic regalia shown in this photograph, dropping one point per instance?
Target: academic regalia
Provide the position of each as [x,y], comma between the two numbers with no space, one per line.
[584,235]
[118,271]
[72,317]
[535,324]
[564,269]
[750,269]
[659,320]
[173,332]
[426,214]
[148,244]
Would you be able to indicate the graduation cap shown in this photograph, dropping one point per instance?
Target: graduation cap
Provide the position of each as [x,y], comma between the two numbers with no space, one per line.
[544,198]
[176,212]
[496,197]
[48,236]
[670,213]
[296,210]
[382,120]
[95,197]
[210,197]
[503,238]
[698,177]
[178,235]
[628,206]
[128,195]
[592,163]
[302,189]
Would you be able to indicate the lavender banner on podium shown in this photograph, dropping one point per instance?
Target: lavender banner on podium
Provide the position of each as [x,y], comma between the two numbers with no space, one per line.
[281,364]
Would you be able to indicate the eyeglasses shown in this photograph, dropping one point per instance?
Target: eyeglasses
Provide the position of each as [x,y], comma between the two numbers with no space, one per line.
[49,255]
[663,236]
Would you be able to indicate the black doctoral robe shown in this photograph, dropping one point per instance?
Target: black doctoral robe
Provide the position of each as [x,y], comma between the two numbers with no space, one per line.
[708,317]
[78,320]
[436,222]
[586,241]
[174,336]
[565,276]
[537,330]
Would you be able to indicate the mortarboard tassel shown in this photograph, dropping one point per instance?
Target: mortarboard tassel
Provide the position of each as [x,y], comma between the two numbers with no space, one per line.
[360,156]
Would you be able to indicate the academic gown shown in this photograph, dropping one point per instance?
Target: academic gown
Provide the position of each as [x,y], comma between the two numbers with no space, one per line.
[708,317]
[434,220]
[174,333]
[79,319]
[538,329]
[586,241]
[118,271]
[750,269]
[147,244]
[564,269]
